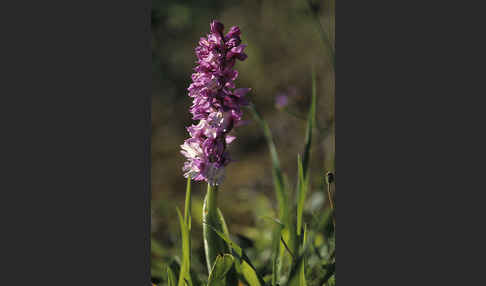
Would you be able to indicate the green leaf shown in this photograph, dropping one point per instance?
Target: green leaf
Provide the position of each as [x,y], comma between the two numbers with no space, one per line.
[174,267]
[285,236]
[237,249]
[304,240]
[224,227]
[276,262]
[250,275]
[289,234]
[171,278]
[302,184]
[297,272]
[232,276]
[247,269]
[294,276]
[311,118]
[185,276]
[302,281]
[222,266]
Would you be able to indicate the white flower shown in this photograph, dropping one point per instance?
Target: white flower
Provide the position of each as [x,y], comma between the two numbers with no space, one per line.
[191,150]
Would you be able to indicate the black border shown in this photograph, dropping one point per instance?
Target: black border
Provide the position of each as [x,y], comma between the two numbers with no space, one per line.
[410,156]
[76,155]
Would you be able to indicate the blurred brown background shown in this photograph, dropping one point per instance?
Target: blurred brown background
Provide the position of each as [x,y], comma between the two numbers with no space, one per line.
[284,41]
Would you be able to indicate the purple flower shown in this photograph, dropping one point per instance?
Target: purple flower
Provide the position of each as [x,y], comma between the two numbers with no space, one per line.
[282,98]
[216,104]
[281,101]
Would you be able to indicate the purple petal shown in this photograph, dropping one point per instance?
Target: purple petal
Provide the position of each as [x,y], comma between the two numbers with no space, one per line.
[230,139]
[217,27]
[281,101]
[233,32]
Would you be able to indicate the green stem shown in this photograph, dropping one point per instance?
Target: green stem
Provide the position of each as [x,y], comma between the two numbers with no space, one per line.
[213,244]
[211,201]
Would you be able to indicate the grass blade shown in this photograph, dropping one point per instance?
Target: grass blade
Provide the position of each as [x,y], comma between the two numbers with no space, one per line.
[171,278]
[297,272]
[276,171]
[287,247]
[294,276]
[311,119]
[302,281]
[279,183]
[250,275]
[175,268]
[276,236]
[302,184]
